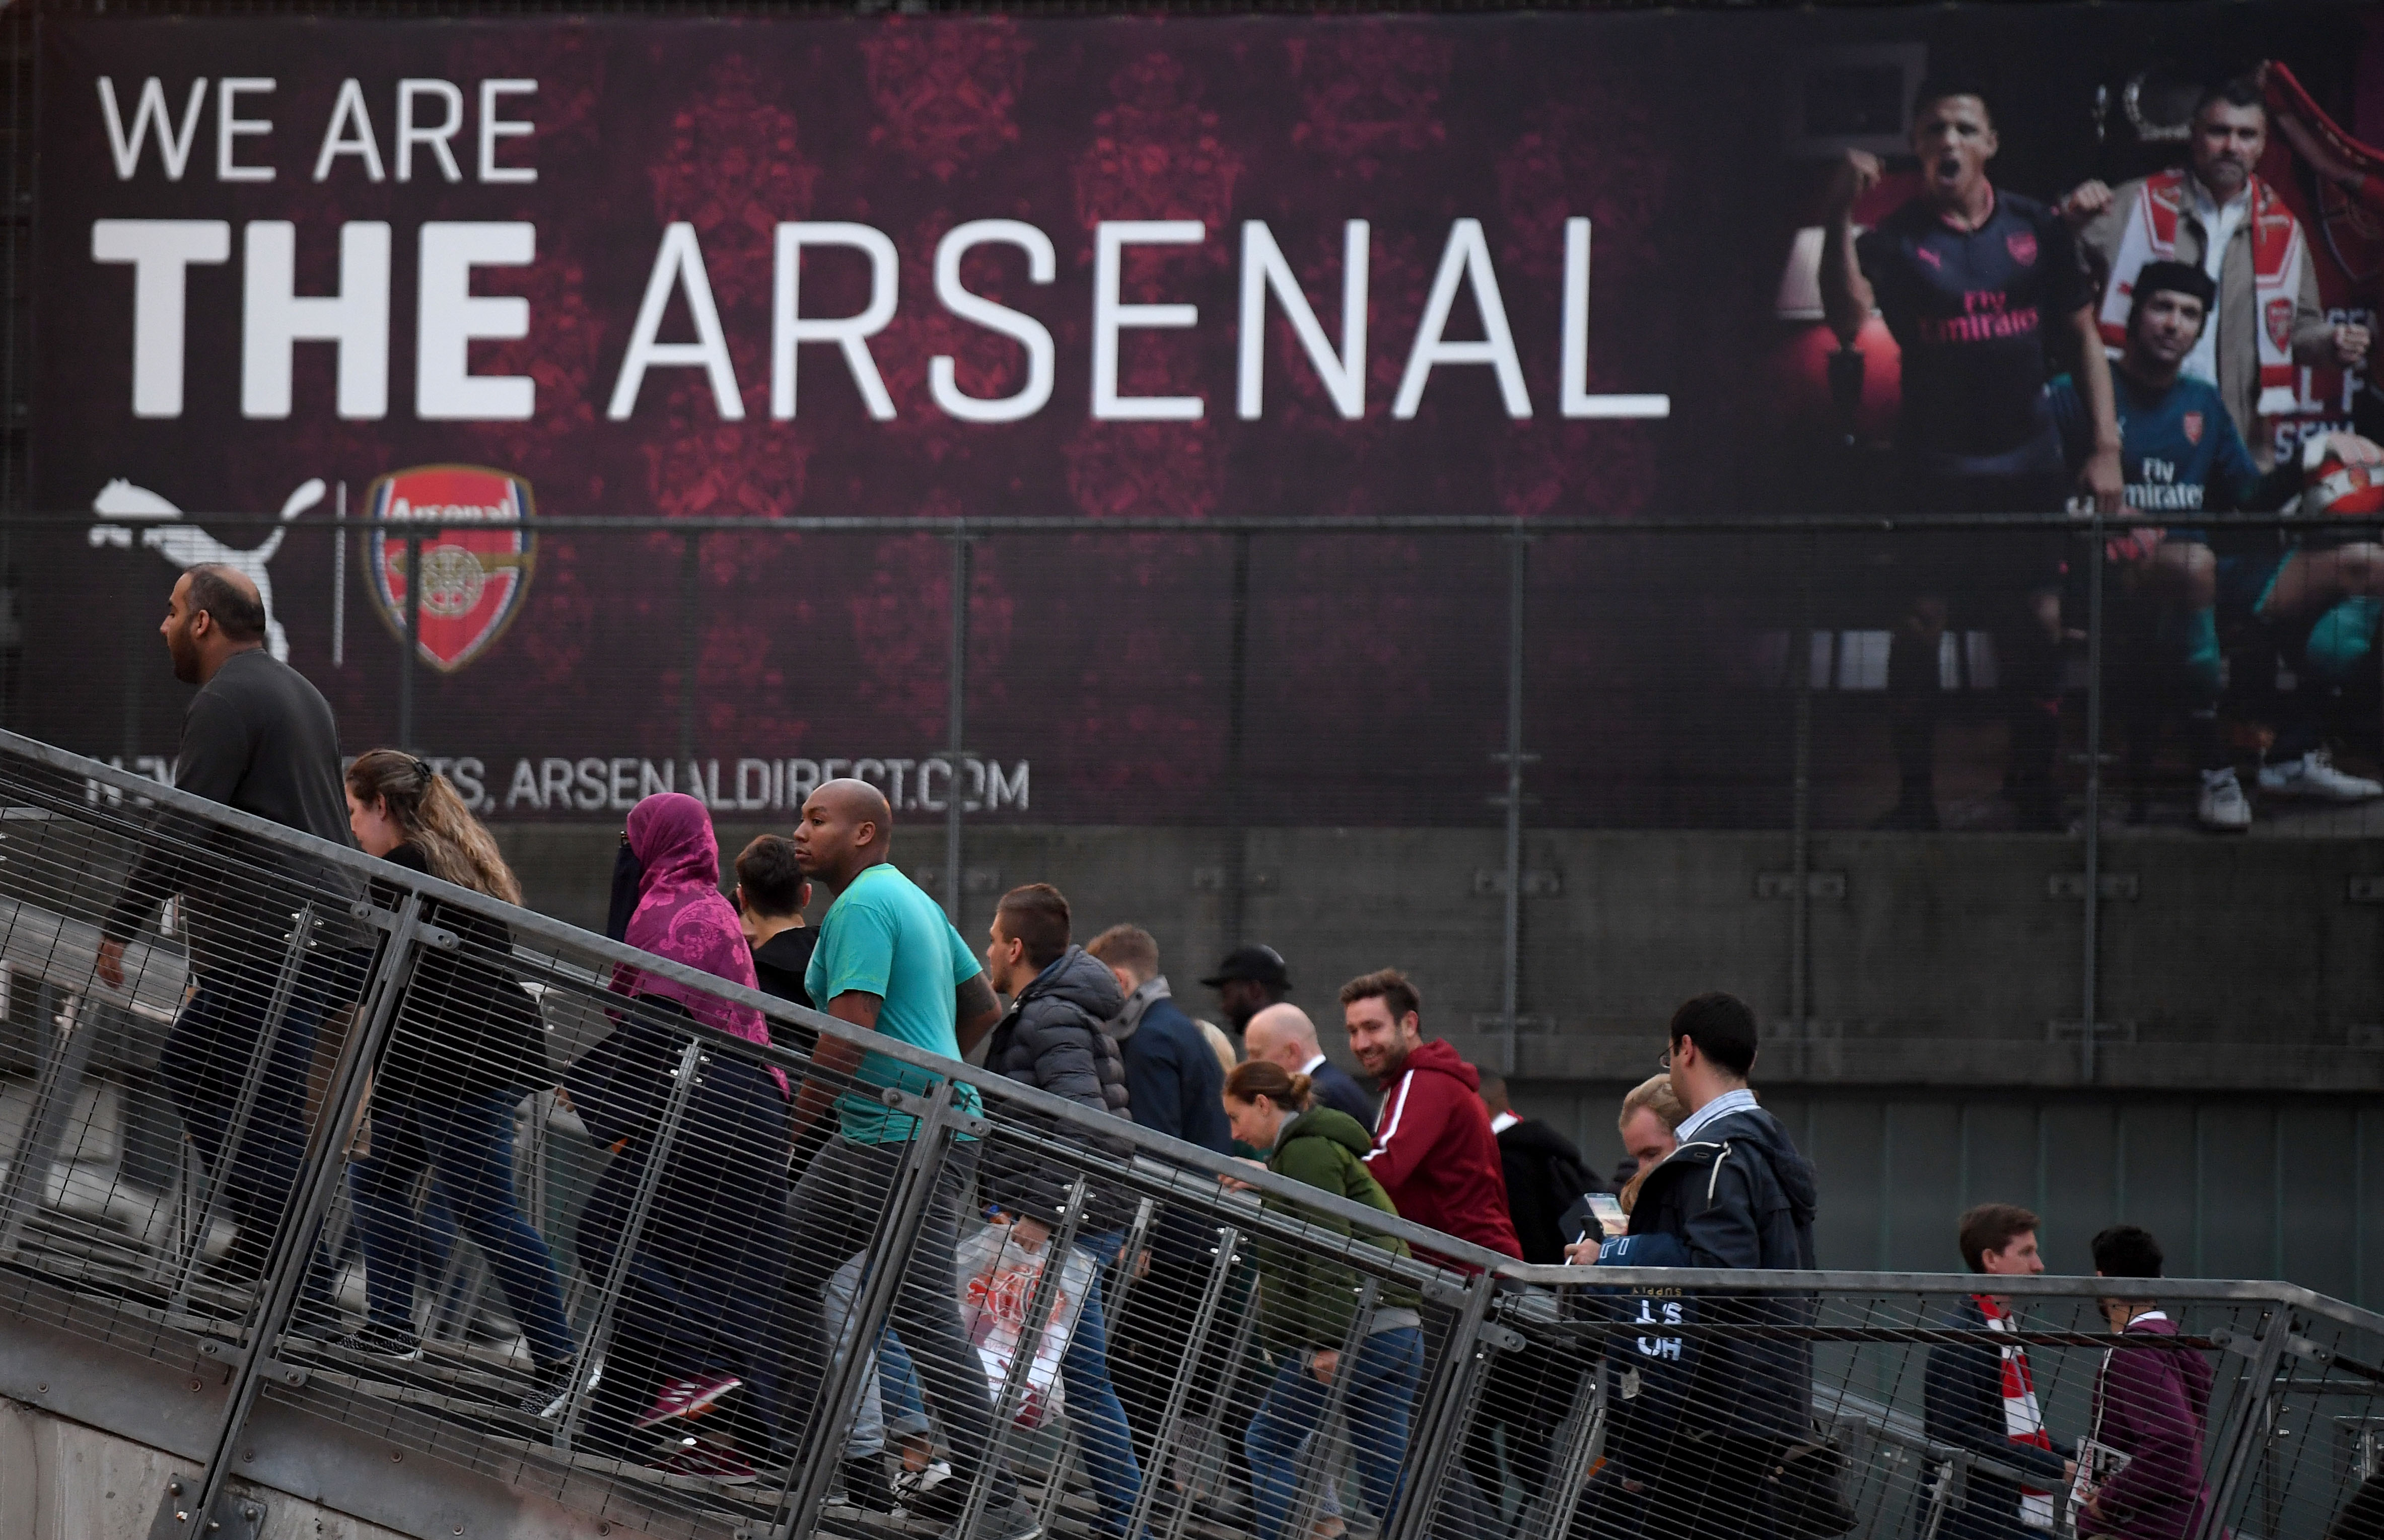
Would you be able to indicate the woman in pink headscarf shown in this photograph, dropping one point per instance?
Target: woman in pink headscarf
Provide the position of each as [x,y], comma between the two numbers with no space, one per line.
[696,1326]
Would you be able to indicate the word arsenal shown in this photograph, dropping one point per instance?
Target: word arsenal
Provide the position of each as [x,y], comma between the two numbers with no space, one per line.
[422,134]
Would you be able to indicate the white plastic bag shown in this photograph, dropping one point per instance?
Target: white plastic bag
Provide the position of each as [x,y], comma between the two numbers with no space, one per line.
[996,1279]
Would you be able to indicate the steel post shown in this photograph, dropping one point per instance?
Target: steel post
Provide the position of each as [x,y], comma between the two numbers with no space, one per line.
[55,1090]
[252,1085]
[2090,938]
[1800,808]
[1512,955]
[690,647]
[1441,1422]
[1307,1496]
[1230,912]
[2252,1423]
[1014,1385]
[848,1368]
[599,1330]
[413,637]
[1179,1390]
[319,1180]
[956,724]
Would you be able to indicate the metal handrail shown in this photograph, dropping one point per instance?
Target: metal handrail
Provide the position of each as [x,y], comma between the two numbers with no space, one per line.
[530,923]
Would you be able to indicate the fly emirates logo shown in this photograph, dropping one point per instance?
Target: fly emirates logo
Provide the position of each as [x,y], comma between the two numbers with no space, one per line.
[1987,314]
[416,131]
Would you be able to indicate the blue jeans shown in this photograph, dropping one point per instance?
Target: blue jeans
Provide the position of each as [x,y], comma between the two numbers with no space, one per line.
[1093,1406]
[892,1401]
[469,1146]
[1382,1392]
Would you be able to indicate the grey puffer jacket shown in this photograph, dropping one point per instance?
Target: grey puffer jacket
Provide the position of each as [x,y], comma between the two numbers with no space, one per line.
[1052,1039]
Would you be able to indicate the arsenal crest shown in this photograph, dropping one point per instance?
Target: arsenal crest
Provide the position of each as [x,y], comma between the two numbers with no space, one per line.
[2022,243]
[2278,315]
[2192,421]
[473,579]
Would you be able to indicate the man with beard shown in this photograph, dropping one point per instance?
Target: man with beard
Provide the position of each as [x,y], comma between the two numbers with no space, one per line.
[1983,291]
[2218,215]
[258,738]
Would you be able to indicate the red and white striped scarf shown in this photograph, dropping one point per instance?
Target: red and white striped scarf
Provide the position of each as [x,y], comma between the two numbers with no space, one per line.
[2023,1423]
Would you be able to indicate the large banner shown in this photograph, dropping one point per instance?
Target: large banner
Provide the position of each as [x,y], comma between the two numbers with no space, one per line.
[653,267]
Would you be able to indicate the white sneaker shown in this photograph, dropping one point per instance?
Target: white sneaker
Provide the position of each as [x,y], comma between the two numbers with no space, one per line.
[2222,807]
[2314,776]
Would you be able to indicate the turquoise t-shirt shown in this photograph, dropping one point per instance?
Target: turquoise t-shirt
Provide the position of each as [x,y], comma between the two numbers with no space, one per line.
[884,936]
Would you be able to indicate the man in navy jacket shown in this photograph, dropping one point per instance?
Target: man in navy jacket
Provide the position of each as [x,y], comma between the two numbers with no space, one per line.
[1735,1194]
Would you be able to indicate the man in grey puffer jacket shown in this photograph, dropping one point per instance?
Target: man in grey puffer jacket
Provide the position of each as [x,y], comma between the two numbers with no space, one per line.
[1051,1039]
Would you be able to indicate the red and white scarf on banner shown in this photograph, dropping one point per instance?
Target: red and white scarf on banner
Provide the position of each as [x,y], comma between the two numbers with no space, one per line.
[2023,1423]
[2279,256]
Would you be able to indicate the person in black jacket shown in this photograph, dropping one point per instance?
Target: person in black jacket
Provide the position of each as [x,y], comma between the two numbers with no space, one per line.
[1052,1038]
[467,1044]
[1982,1398]
[1735,1194]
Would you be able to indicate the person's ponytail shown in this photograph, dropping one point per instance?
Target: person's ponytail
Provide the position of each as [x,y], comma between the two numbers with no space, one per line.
[1253,1078]
[456,846]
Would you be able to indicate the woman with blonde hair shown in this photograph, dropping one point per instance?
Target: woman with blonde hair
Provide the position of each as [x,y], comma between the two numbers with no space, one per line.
[467,1044]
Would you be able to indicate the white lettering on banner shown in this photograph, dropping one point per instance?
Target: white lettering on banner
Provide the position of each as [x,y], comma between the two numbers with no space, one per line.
[849,333]
[1573,396]
[410,134]
[1110,316]
[448,318]
[679,267]
[161,252]
[173,149]
[274,318]
[230,128]
[751,784]
[493,128]
[1263,268]
[350,134]
[1465,260]
[943,382]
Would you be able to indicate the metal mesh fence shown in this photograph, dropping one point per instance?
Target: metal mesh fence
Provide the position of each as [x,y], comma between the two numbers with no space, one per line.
[381,1152]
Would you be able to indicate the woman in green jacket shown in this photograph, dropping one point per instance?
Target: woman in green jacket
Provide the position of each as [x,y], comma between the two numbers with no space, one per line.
[1308,1303]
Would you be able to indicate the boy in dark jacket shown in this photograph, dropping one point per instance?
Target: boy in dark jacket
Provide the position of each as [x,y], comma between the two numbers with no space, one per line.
[1982,1398]
[1735,1194]
[2152,1406]
[1052,1038]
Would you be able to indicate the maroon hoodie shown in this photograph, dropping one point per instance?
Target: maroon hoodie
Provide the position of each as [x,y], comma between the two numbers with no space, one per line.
[1434,1154]
[2152,1404]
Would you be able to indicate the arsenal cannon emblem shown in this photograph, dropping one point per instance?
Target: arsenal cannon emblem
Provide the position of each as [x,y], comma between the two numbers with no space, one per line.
[476,554]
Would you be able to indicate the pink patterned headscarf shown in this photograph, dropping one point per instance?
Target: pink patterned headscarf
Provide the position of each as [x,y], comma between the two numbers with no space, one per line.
[682,916]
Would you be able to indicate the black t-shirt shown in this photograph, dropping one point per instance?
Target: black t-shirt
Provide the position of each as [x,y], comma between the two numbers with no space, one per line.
[779,964]
[1972,311]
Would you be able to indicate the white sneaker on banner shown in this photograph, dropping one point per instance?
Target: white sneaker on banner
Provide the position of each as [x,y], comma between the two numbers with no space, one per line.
[2314,776]
[2222,807]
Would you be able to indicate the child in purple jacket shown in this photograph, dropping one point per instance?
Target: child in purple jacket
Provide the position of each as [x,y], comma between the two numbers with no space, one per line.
[2152,1407]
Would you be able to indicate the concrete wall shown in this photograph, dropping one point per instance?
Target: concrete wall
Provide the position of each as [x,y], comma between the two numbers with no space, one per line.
[1947,961]
[2240,988]
[60,1479]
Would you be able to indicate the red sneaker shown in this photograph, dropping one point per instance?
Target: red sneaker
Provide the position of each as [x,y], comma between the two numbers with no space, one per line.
[688,1397]
[697,1465]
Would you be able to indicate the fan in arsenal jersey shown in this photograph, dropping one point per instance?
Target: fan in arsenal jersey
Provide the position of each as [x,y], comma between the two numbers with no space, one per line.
[1983,291]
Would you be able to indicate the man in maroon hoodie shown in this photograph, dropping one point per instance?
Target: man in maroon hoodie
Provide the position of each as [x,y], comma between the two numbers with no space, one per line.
[2151,1405]
[1433,1150]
